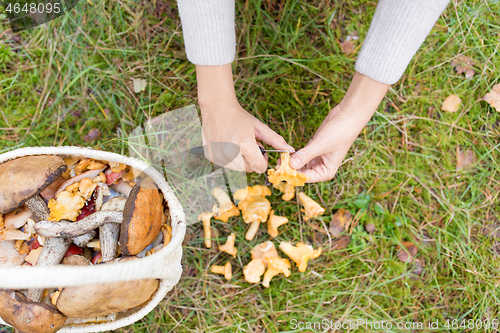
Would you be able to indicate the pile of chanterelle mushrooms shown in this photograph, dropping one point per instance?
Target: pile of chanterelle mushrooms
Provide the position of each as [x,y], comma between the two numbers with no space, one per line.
[256,209]
[76,211]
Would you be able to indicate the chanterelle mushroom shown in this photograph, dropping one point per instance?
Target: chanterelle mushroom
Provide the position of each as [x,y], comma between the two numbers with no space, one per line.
[255,268]
[311,207]
[300,253]
[275,266]
[225,270]
[274,222]
[27,316]
[287,189]
[22,179]
[286,173]
[254,206]
[226,207]
[205,218]
[142,218]
[229,246]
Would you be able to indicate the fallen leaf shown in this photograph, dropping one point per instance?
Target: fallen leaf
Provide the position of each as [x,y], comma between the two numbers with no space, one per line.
[340,222]
[463,64]
[451,103]
[465,159]
[370,227]
[93,135]
[493,97]
[348,46]
[418,267]
[407,253]
[139,85]
[341,243]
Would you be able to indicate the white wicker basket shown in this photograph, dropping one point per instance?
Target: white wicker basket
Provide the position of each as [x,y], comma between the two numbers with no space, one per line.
[164,264]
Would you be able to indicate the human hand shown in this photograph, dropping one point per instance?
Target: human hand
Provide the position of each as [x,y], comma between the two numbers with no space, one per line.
[323,155]
[225,121]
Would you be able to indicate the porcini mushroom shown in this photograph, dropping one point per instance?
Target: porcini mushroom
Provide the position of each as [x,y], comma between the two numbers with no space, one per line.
[17,218]
[105,298]
[274,222]
[32,174]
[78,228]
[300,254]
[311,207]
[275,266]
[142,218]
[22,180]
[205,218]
[9,256]
[229,246]
[27,316]
[226,207]
[110,232]
[286,173]
[225,270]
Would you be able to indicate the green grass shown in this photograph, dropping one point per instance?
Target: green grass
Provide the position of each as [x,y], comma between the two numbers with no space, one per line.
[60,80]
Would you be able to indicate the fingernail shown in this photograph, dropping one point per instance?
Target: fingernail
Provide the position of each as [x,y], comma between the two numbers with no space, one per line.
[295,162]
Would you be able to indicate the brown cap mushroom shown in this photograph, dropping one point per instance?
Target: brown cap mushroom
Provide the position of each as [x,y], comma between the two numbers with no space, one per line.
[142,218]
[27,316]
[105,298]
[24,178]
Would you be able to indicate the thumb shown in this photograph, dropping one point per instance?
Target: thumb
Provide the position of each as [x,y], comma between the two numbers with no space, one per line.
[306,154]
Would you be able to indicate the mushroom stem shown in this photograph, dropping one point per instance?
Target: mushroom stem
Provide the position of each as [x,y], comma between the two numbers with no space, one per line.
[38,207]
[225,270]
[108,237]
[52,253]
[252,231]
[207,233]
[75,229]
[83,240]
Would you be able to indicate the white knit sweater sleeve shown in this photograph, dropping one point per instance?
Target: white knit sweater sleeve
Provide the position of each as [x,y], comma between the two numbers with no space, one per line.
[209,31]
[397,30]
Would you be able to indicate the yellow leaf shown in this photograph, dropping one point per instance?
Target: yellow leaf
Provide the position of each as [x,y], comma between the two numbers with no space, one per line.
[451,103]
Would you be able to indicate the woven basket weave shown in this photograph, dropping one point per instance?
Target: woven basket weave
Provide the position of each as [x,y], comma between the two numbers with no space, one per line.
[164,264]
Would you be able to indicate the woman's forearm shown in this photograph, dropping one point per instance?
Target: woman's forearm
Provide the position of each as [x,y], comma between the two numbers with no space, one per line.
[363,97]
[215,85]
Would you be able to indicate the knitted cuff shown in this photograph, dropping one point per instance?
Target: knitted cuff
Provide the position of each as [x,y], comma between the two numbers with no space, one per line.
[397,30]
[209,31]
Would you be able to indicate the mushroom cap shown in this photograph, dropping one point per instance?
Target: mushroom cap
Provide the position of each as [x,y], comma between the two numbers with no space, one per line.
[286,173]
[254,270]
[106,298]
[257,210]
[23,178]
[300,254]
[27,316]
[276,265]
[142,218]
[274,222]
